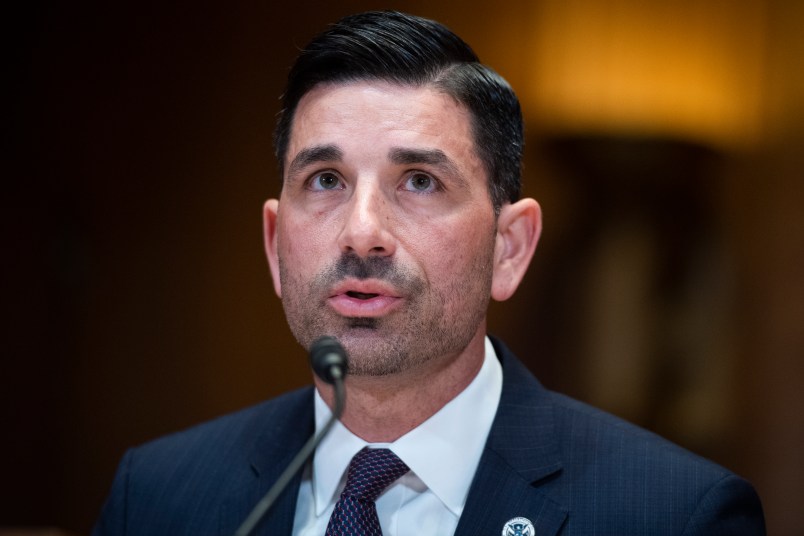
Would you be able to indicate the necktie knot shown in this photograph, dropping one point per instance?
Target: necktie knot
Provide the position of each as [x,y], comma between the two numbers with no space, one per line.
[371,471]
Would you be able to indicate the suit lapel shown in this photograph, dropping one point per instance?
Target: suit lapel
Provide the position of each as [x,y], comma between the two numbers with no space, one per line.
[520,453]
[499,494]
[284,432]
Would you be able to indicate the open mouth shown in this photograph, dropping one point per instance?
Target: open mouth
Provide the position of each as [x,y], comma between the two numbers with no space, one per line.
[361,295]
[364,300]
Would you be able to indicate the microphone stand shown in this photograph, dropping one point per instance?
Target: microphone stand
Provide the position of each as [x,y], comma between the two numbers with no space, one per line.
[301,458]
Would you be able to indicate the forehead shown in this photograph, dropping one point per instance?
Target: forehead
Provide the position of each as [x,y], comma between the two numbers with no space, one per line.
[361,117]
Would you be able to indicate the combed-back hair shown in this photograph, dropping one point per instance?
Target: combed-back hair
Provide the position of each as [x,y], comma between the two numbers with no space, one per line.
[413,51]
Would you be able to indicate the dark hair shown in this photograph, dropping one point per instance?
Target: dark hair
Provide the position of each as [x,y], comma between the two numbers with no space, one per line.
[409,50]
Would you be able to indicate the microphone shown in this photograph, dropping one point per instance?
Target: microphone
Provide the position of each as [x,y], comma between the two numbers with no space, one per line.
[330,363]
[328,359]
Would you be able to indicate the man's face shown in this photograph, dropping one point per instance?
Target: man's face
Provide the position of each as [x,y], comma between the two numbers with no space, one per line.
[384,235]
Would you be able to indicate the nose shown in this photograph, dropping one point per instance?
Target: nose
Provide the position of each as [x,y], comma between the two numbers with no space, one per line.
[367,224]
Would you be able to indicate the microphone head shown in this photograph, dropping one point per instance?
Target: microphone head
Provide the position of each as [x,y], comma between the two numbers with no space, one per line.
[326,355]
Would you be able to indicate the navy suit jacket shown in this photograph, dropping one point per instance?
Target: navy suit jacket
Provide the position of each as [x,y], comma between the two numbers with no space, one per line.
[567,467]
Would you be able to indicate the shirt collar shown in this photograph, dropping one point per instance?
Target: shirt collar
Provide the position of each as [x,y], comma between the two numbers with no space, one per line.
[444,451]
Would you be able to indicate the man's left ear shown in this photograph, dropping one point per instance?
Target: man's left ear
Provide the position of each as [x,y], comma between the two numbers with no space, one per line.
[519,226]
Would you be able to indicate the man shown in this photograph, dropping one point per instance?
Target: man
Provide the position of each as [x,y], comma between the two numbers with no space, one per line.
[399,219]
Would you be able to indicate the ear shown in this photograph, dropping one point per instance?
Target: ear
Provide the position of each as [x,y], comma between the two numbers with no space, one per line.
[269,214]
[519,226]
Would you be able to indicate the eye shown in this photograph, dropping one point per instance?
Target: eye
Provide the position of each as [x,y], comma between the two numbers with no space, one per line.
[421,183]
[325,181]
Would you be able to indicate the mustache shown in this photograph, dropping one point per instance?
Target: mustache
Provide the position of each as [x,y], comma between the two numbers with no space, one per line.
[351,265]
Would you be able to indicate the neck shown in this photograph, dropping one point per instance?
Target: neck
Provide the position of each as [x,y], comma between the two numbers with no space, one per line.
[383,409]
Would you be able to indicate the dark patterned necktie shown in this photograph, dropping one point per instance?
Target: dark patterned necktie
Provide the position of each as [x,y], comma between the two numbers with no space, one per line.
[370,472]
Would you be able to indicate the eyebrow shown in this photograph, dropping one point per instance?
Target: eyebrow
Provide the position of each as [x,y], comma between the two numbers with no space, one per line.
[316,153]
[434,157]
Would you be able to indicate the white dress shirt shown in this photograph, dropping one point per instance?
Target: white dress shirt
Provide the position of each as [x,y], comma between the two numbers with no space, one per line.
[442,453]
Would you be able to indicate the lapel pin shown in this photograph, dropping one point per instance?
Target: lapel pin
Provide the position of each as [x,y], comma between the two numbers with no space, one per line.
[518,526]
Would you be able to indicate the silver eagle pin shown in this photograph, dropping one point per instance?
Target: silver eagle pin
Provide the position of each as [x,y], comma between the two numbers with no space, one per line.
[518,526]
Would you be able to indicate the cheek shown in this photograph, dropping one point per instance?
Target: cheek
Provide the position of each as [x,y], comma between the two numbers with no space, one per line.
[451,253]
[297,251]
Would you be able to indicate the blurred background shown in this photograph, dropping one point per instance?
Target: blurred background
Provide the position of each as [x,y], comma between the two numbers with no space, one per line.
[665,141]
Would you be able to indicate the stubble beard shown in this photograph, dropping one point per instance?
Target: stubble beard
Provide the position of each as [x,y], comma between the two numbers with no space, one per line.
[433,323]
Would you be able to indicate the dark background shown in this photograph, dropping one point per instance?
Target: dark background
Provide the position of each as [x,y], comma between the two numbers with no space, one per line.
[137,300]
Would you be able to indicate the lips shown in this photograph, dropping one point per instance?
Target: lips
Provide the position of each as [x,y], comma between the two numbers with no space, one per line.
[363,299]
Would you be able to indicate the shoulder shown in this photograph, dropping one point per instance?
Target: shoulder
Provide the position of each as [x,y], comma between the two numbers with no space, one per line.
[613,474]
[241,428]
[178,483]
[586,434]
[222,450]
[621,468]
[581,427]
